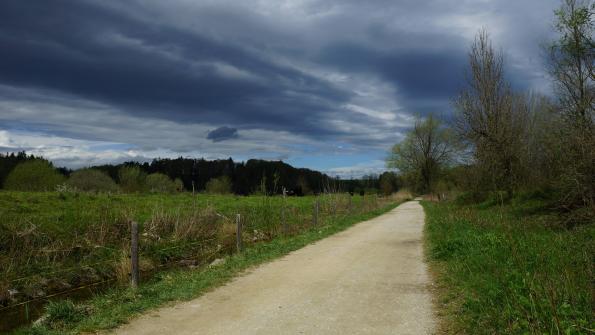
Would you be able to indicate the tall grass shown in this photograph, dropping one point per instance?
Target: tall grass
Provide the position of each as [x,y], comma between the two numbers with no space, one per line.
[510,270]
[120,303]
[53,241]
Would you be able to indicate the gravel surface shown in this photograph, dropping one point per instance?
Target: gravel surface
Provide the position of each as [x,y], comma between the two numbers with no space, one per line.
[369,279]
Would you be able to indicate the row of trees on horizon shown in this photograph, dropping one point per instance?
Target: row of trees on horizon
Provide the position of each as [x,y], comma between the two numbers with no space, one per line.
[29,173]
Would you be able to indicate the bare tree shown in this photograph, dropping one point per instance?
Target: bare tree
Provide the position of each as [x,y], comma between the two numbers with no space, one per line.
[426,149]
[491,118]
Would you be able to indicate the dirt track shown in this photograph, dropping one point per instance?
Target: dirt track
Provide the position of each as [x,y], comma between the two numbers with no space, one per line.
[369,279]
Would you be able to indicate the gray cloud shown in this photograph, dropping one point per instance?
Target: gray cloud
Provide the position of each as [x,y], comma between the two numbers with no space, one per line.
[316,73]
[222,134]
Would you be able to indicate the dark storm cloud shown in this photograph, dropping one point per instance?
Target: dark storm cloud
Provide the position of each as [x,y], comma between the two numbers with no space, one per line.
[89,51]
[253,65]
[425,79]
[222,134]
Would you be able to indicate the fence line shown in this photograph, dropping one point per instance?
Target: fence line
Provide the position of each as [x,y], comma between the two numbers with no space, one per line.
[134,238]
[46,297]
[79,267]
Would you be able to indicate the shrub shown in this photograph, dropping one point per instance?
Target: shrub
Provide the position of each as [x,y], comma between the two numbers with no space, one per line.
[160,183]
[92,180]
[132,179]
[34,175]
[220,185]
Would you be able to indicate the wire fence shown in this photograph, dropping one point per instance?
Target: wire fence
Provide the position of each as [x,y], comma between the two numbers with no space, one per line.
[196,240]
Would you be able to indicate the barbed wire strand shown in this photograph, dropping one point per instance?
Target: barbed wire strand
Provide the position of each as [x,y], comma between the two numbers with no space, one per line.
[46,297]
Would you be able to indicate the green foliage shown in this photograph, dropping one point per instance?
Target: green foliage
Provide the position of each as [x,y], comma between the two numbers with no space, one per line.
[220,185]
[9,161]
[34,175]
[132,179]
[573,17]
[92,180]
[511,269]
[389,183]
[160,183]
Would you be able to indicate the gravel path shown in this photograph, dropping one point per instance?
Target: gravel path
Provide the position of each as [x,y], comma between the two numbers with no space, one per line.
[369,279]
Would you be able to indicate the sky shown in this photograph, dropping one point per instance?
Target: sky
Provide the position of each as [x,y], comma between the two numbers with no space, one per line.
[329,85]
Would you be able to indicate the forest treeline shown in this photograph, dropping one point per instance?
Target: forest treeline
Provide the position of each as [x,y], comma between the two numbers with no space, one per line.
[502,141]
[20,171]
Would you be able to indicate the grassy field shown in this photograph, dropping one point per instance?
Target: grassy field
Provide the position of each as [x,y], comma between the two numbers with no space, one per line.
[54,241]
[510,269]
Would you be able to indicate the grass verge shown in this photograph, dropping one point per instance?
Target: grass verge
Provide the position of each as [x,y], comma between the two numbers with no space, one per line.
[118,305]
[510,269]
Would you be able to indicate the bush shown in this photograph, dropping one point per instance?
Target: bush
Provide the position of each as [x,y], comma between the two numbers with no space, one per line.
[34,175]
[221,185]
[132,179]
[91,180]
[160,183]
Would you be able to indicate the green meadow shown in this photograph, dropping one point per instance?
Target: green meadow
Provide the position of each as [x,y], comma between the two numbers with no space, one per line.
[511,269]
[56,241]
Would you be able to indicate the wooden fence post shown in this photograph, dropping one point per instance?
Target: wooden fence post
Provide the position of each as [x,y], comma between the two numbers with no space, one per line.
[134,254]
[283,218]
[239,244]
[315,214]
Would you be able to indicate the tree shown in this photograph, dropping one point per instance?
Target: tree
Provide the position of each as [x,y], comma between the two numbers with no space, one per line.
[34,175]
[92,180]
[9,161]
[220,185]
[388,183]
[573,63]
[572,60]
[160,183]
[492,119]
[426,149]
[132,179]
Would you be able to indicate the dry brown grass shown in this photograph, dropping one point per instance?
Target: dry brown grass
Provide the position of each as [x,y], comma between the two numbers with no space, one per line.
[199,224]
[226,235]
[122,266]
[402,195]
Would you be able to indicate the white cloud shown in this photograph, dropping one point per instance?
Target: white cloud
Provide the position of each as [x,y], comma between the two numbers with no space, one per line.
[374,167]
[77,132]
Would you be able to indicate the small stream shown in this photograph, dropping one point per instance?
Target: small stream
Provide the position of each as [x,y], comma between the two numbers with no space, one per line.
[26,313]
[23,314]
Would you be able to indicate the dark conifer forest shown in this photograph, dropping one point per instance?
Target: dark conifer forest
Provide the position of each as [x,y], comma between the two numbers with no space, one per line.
[252,176]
